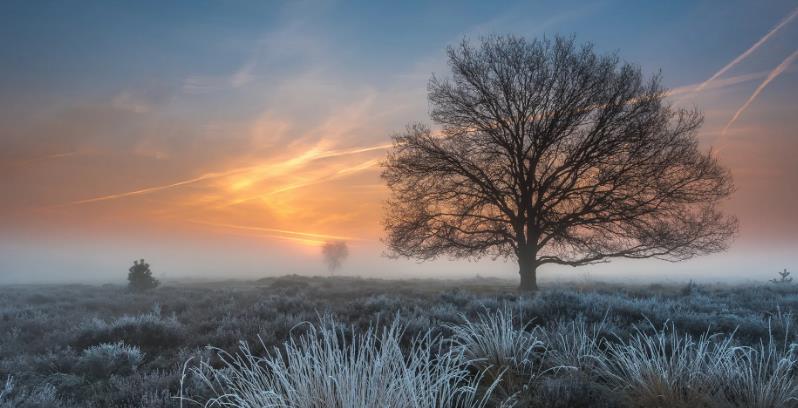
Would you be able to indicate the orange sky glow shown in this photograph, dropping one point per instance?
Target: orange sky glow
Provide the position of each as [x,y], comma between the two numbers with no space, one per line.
[289,156]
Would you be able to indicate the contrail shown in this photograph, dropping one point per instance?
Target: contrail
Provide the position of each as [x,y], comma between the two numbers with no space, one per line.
[338,174]
[308,156]
[753,48]
[25,162]
[773,74]
[307,241]
[275,230]
[57,155]
[717,84]
[157,188]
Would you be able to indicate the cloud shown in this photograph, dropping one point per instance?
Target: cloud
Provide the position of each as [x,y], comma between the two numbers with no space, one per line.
[311,238]
[517,15]
[287,49]
[126,101]
[750,50]
[282,151]
[197,84]
[368,164]
[258,171]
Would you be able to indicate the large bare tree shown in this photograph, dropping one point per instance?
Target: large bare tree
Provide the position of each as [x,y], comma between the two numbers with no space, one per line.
[551,153]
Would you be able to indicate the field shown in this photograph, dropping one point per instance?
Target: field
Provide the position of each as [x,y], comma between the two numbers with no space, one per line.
[339,342]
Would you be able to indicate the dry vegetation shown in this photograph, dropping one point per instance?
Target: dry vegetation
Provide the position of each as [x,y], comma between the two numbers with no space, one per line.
[338,342]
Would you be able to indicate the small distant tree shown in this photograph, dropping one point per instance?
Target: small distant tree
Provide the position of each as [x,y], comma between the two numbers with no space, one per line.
[784,277]
[335,252]
[140,277]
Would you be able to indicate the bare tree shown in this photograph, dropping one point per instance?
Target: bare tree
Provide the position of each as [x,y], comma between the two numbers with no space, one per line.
[550,153]
[335,252]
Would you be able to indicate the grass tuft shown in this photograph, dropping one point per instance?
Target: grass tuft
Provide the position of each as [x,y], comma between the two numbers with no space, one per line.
[324,369]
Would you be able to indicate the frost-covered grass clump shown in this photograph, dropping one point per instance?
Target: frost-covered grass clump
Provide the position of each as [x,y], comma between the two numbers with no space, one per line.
[148,331]
[105,360]
[322,368]
[498,359]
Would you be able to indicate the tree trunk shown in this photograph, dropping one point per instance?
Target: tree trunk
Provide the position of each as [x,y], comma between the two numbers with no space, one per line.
[527,268]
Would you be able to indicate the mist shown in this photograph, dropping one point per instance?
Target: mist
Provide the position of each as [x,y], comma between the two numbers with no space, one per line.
[96,262]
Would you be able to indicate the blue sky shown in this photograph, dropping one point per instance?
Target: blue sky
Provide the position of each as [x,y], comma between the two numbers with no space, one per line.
[94,47]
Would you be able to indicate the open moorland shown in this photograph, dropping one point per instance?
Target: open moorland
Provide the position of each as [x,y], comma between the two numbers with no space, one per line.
[337,342]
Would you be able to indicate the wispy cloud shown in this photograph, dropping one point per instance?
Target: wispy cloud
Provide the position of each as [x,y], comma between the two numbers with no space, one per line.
[338,174]
[59,155]
[126,101]
[308,237]
[771,76]
[515,14]
[209,83]
[750,50]
[258,171]
[154,189]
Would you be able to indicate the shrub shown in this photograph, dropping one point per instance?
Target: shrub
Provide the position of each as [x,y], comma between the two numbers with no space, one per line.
[784,277]
[39,396]
[151,332]
[140,277]
[99,362]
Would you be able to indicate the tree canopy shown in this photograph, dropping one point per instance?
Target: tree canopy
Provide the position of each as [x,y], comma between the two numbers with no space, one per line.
[140,277]
[548,152]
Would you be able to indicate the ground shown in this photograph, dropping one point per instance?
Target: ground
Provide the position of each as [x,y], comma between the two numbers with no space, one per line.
[104,346]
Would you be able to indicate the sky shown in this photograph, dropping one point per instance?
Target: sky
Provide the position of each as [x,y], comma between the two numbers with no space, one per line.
[230,139]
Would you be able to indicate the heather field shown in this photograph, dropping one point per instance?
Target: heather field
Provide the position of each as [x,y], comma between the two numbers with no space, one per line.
[343,342]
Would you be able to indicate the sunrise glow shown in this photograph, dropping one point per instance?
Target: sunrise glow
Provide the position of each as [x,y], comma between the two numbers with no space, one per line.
[272,130]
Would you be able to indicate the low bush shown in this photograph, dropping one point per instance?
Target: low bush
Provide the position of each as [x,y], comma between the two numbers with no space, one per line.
[149,331]
[104,360]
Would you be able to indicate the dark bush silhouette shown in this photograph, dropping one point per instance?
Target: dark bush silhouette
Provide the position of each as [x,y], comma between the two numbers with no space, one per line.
[784,277]
[550,153]
[140,277]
